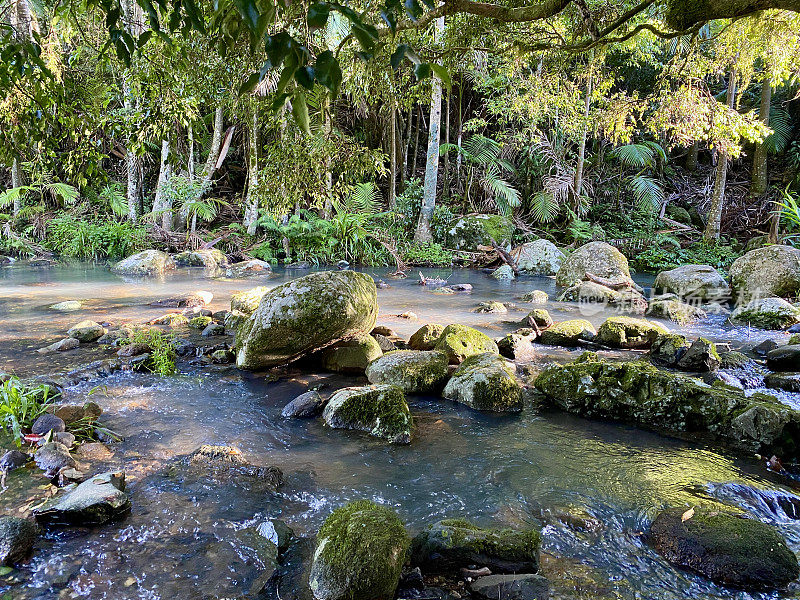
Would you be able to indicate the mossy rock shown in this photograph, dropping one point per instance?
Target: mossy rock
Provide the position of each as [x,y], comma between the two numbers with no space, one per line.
[735,360]
[679,214]
[677,311]
[766,313]
[540,257]
[94,502]
[416,372]
[144,264]
[784,358]
[503,272]
[351,356]
[517,346]
[668,348]
[628,300]
[698,282]
[87,331]
[627,332]
[490,307]
[701,356]
[360,552]
[767,271]
[636,392]
[535,297]
[458,342]
[247,302]
[449,545]
[200,322]
[486,382]
[470,231]
[17,537]
[307,314]
[597,258]
[538,318]
[425,337]
[209,258]
[171,320]
[568,333]
[725,547]
[380,410]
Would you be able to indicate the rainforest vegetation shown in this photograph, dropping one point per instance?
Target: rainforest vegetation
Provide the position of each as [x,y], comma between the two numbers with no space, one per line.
[360,131]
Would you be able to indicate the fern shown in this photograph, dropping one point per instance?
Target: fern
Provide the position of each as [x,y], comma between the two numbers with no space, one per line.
[544,208]
[635,156]
[647,191]
[365,198]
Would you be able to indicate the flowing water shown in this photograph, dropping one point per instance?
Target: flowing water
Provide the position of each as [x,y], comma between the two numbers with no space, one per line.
[594,486]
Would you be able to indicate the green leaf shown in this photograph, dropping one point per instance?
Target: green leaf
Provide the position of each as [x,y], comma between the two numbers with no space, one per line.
[250,83]
[442,74]
[318,15]
[305,77]
[328,71]
[249,12]
[398,56]
[300,110]
[422,71]
[390,18]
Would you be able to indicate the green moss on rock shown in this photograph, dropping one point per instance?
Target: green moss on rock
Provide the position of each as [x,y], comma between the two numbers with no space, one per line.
[425,337]
[458,342]
[359,555]
[352,356]
[486,382]
[539,318]
[247,302]
[568,333]
[379,409]
[200,322]
[766,313]
[627,332]
[471,231]
[416,372]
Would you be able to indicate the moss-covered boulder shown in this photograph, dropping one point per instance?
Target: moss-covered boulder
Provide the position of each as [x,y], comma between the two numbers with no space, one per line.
[416,372]
[784,358]
[96,501]
[675,310]
[379,409]
[701,356]
[535,297]
[725,547]
[503,272]
[627,332]
[449,545]
[697,282]
[568,333]
[627,300]
[306,314]
[597,258]
[425,337]
[668,348]
[248,268]
[636,392]
[200,322]
[538,318]
[171,320]
[517,345]
[486,382]
[146,263]
[491,307]
[470,231]
[767,271]
[679,214]
[359,555]
[788,382]
[209,258]
[247,301]
[766,313]
[540,257]
[458,342]
[87,331]
[351,356]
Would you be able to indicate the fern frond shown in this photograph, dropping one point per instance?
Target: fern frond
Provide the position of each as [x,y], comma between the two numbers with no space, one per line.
[636,156]
[647,191]
[781,125]
[544,208]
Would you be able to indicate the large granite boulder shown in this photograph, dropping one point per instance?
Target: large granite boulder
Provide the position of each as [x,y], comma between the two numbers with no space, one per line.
[486,382]
[767,271]
[568,333]
[458,342]
[627,300]
[361,548]
[470,231]
[598,258]
[307,314]
[766,313]
[540,257]
[209,258]
[627,332]
[725,547]
[451,544]
[146,263]
[413,371]
[425,337]
[380,410]
[96,501]
[86,331]
[696,282]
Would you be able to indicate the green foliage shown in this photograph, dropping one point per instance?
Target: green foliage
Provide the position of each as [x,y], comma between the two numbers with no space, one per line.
[427,255]
[161,345]
[665,252]
[21,405]
[407,208]
[87,240]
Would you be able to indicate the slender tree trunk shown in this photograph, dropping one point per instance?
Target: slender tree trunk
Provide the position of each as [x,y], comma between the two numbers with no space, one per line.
[328,128]
[23,23]
[16,181]
[162,204]
[712,231]
[774,224]
[393,162]
[190,162]
[423,232]
[446,182]
[213,152]
[460,125]
[251,199]
[693,157]
[420,124]
[406,148]
[133,20]
[578,183]
[760,178]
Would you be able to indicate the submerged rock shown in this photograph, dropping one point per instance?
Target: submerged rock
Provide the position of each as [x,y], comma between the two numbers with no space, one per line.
[675,310]
[146,263]
[511,587]
[352,356]
[86,331]
[187,300]
[416,372]
[309,404]
[627,332]
[568,333]
[309,313]
[766,313]
[458,342]
[486,382]
[68,343]
[598,258]
[247,302]
[588,292]
[771,270]
[380,410]
[360,552]
[448,545]
[66,306]
[535,297]
[425,337]
[17,537]
[728,549]
[540,257]
[698,282]
[96,501]
[503,272]
[639,393]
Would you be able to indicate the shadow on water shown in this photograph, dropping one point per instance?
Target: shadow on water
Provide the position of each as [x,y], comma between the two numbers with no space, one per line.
[594,486]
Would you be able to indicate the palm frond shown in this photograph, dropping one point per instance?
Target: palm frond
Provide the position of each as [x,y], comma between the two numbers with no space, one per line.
[12,195]
[62,191]
[506,196]
[781,124]
[364,198]
[647,191]
[544,208]
[636,156]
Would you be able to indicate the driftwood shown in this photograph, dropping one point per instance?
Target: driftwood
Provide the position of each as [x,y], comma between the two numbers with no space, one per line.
[430,280]
[505,257]
[614,285]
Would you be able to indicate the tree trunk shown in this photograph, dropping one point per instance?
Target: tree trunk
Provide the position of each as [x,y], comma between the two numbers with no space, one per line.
[190,162]
[420,123]
[393,161]
[133,19]
[712,231]
[213,152]
[328,128]
[251,199]
[446,182]
[423,232]
[406,148]
[760,179]
[774,224]
[16,181]
[162,205]
[578,183]
[692,157]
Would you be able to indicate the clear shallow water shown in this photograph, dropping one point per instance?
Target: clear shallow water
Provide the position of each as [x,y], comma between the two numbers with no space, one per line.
[593,485]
